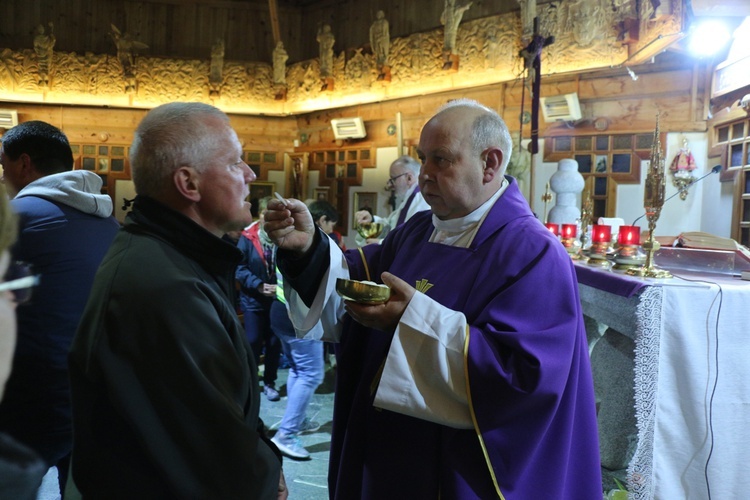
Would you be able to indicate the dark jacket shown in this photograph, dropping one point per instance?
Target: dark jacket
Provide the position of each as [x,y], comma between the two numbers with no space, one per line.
[66,227]
[165,388]
[253,271]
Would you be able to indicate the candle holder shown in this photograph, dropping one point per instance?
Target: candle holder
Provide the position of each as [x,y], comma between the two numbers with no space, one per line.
[628,254]
[569,241]
[653,200]
[553,228]
[601,245]
[587,215]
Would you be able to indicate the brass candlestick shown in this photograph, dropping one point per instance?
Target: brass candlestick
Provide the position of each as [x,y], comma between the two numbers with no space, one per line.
[546,198]
[587,216]
[653,200]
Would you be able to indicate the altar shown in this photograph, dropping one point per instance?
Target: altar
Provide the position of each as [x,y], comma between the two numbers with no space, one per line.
[671,371]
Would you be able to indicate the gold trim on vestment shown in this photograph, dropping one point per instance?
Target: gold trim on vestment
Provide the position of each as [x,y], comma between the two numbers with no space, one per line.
[364,261]
[474,417]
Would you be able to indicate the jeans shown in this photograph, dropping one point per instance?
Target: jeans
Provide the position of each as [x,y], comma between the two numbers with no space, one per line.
[306,372]
[260,334]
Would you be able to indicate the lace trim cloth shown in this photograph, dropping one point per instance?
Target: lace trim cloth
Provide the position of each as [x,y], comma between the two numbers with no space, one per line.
[648,331]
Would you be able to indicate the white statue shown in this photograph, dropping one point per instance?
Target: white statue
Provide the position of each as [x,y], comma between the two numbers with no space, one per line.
[451,18]
[326,41]
[279,64]
[380,38]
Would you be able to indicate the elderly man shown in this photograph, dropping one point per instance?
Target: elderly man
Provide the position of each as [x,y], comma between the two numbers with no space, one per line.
[473,379]
[165,387]
[404,173]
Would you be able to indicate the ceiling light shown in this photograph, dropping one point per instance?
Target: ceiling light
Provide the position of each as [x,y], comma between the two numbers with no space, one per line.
[708,36]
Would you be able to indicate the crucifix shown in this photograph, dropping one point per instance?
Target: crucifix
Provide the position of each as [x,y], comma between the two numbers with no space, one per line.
[532,55]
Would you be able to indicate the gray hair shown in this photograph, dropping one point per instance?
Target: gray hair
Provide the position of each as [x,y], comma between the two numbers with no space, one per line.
[409,163]
[170,136]
[488,130]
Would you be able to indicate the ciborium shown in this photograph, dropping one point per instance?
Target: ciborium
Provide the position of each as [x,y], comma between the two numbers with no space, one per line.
[653,200]
[370,229]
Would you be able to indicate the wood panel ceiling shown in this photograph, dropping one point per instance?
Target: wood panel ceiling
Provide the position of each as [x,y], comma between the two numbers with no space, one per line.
[187,28]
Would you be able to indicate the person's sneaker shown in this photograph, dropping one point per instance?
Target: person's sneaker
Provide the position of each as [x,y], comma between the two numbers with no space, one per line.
[290,446]
[271,393]
[308,426]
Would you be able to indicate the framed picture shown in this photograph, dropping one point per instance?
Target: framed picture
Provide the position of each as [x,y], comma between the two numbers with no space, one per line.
[600,164]
[260,190]
[321,193]
[364,201]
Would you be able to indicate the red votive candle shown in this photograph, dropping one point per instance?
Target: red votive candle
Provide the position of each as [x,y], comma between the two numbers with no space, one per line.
[601,233]
[569,230]
[553,228]
[629,235]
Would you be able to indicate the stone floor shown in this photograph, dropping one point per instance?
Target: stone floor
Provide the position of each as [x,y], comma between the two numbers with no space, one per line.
[306,480]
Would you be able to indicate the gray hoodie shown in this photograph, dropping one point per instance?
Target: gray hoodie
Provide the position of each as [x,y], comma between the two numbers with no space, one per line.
[79,189]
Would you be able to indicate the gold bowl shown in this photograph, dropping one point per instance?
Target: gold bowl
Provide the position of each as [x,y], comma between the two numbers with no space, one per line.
[363,292]
[370,230]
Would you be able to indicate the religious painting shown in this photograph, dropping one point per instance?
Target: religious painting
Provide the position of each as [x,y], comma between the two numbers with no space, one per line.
[364,201]
[296,170]
[601,163]
[259,190]
[321,193]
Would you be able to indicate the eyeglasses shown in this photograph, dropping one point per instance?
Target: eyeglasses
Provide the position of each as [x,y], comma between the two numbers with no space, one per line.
[392,180]
[19,279]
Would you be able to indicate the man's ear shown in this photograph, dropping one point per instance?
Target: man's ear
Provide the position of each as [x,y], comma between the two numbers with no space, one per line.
[187,183]
[492,163]
[28,172]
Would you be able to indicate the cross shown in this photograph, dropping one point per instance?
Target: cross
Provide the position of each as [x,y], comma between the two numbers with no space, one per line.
[532,55]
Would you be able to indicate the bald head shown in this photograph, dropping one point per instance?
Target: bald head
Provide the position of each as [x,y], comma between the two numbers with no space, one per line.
[488,129]
[463,152]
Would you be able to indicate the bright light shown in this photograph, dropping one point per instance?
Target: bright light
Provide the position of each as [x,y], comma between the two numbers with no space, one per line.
[708,37]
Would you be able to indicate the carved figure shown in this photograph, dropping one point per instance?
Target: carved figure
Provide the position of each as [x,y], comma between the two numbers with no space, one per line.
[125,50]
[326,41]
[217,62]
[279,64]
[586,20]
[451,18]
[43,46]
[380,38]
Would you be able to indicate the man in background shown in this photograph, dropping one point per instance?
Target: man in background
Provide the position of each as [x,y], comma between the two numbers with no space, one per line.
[66,227]
[404,173]
[164,384]
[256,275]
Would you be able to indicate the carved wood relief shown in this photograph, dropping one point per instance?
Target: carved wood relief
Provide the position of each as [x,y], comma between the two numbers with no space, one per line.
[588,36]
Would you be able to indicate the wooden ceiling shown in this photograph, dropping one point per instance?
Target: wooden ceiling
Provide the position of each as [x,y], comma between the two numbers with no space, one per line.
[187,29]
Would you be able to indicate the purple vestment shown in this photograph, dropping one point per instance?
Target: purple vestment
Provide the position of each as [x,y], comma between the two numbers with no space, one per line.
[528,371]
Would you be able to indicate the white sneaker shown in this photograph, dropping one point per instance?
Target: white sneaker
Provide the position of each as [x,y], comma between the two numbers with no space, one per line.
[290,446]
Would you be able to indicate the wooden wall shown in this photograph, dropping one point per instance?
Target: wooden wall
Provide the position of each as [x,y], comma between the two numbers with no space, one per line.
[671,86]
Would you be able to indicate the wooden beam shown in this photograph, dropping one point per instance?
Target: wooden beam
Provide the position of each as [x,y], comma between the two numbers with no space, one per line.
[274,12]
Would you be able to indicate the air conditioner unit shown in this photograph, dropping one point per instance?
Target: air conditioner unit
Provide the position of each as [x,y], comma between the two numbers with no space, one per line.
[348,128]
[561,108]
[8,118]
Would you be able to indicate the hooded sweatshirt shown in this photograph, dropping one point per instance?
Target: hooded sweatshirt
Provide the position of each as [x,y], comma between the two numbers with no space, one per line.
[65,228]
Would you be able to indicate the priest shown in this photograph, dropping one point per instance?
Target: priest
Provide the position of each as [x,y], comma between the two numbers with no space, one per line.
[473,379]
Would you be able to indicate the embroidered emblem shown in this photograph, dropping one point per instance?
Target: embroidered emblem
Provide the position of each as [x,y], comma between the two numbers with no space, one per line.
[422,286]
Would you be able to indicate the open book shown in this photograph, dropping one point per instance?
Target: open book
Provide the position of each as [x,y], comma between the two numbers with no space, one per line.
[698,239]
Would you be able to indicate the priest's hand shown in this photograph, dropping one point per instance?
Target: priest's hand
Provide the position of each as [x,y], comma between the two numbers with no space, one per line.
[385,316]
[362,217]
[289,224]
